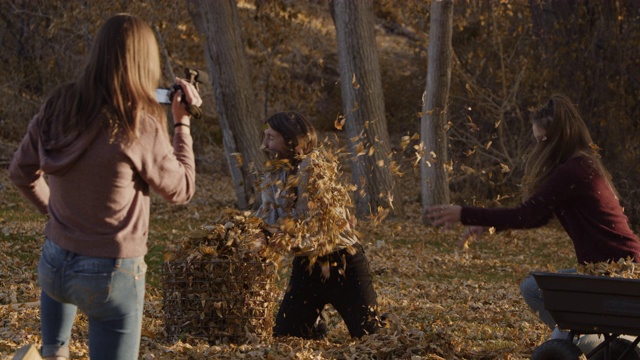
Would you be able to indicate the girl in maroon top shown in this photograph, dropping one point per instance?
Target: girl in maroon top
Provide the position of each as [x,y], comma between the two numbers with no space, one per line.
[563,177]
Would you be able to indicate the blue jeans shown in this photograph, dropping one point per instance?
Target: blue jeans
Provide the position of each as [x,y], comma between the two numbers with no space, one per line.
[109,291]
[533,297]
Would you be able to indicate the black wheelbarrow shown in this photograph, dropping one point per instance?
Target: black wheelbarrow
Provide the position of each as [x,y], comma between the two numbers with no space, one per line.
[585,304]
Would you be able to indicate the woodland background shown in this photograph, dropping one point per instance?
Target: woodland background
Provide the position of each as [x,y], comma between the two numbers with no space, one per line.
[508,57]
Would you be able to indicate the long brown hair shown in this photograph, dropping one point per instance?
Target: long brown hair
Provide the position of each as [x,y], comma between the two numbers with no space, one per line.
[566,136]
[296,130]
[119,79]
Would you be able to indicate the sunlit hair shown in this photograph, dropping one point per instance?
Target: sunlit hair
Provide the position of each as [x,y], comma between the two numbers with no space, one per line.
[119,79]
[566,135]
[296,130]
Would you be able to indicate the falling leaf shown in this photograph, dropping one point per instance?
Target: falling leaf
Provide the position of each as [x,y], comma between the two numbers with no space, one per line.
[238,157]
[394,167]
[467,169]
[404,141]
[354,83]
[326,270]
[471,125]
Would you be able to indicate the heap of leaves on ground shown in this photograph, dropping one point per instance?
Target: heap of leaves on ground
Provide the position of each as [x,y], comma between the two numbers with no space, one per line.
[218,286]
[234,235]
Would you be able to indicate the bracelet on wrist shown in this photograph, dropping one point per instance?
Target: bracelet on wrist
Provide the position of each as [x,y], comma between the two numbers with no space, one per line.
[180,124]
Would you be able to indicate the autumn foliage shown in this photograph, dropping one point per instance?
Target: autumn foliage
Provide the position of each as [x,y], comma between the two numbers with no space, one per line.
[445,303]
[508,57]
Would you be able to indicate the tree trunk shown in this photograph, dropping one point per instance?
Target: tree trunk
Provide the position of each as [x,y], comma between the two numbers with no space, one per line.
[435,187]
[363,105]
[238,115]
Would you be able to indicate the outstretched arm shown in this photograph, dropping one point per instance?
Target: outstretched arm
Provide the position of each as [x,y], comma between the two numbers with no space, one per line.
[445,215]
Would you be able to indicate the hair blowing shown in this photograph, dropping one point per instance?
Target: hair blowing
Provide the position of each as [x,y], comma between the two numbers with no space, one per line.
[566,136]
[119,78]
[296,130]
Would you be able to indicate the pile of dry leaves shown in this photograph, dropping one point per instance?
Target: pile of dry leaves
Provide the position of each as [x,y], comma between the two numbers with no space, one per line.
[623,268]
[234,236]
[217,286]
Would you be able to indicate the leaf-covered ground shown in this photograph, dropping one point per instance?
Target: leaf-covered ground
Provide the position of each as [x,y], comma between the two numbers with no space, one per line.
[443,303]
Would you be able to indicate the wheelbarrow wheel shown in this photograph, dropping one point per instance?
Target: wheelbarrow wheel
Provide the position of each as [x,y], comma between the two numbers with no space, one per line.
[558,349]
[617,347]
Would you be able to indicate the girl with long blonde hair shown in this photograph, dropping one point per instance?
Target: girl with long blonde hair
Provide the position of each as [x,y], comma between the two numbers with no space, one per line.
[103,143]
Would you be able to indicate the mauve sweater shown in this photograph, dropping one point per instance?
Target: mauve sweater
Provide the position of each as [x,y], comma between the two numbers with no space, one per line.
[96,190]
[585,205]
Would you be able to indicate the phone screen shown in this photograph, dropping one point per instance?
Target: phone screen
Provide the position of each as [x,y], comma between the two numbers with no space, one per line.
[163,96]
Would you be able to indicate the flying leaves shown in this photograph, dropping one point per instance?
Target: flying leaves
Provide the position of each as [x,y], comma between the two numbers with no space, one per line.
[325,226]
[339,122]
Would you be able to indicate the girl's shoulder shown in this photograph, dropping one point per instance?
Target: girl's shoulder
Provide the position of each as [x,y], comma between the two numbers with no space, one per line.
[275,172]
[582,161]
[151,124]
[581,166]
